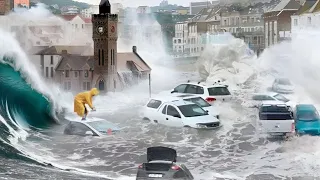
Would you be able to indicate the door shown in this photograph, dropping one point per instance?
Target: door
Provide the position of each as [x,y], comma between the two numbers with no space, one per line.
[193,89]
[173,117]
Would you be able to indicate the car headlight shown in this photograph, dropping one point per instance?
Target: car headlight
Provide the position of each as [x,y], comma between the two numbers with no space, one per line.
[201,126]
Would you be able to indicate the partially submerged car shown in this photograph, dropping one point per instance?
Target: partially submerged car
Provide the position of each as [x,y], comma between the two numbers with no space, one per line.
[209,92]
[155,102]
[257,98]
[162,164]
[91,127]
[180,113]
[307,119]
[276,119]
[282,85]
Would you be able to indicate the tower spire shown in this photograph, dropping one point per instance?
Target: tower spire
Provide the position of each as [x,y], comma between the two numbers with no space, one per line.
[104,7]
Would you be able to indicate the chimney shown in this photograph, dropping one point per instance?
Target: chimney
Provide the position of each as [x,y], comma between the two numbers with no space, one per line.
[134,49]
[64,52]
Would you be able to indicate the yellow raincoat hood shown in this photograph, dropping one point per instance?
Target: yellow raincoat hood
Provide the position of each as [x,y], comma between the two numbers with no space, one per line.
[94,91]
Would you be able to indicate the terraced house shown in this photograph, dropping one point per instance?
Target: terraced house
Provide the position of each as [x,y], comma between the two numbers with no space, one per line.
[308,16]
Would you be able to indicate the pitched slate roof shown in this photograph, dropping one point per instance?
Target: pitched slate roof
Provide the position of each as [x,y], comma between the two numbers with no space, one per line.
[307,7]
[205,14]
[56,50]
[127,59]
[286,5]
[76,62]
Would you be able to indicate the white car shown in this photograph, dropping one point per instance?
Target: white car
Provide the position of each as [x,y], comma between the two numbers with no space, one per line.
[182,113]
[154,103]
[282,85]
[276,119]
[91,127]
[209,92]
[257,98]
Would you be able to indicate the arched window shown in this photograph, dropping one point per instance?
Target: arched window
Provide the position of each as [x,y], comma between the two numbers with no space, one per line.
[99,57]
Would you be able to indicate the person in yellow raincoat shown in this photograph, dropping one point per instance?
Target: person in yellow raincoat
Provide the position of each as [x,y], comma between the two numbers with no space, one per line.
[84,98]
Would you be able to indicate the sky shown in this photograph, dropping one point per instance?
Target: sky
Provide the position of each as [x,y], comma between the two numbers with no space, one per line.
[136,3]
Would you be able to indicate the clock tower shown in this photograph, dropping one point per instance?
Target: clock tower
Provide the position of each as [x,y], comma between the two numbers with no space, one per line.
[105,37]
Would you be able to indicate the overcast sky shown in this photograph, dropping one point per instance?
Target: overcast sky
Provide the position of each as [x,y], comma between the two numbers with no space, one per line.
[136,3]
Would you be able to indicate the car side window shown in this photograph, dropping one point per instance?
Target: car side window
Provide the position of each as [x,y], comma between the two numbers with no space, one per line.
[80,129]
[154,104]
[181,88]
[192,89]
[172,111]
[265,98]
[164,110]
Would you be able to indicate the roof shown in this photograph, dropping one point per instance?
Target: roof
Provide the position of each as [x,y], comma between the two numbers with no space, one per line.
[75,62]
[71,17]
[181,102]
[305,107]
[57,50]
[307,7]
[272,103]
[133,60]
[172,97]
[286,5]
[266,93]
[206,14]
[316,7]
[204,84]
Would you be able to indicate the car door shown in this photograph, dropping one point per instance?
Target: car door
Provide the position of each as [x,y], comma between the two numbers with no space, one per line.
[173,117]
[180,89]
[80,129]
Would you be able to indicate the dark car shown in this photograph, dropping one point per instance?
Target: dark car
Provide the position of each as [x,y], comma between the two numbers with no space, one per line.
[161,164]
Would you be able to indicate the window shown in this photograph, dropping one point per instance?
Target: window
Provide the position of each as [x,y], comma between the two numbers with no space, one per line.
[295,21]
[84,86]
[69,85]
[192,89]
[307,115]
[281,98]
[218,91]
[51,60]
[192,110]
[82,26]
[164,110]
[102,57]
[99,58]
[75,74]
[199,101]
[86,73]
[79,129]
[76,25]
[67,73]
[47,71]
[88,86]
[309,20]
[154,104]
[171,111]
[181,88]
[111,52]
[52,72]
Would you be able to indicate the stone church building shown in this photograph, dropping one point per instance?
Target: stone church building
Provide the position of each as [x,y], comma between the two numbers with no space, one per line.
[77,70]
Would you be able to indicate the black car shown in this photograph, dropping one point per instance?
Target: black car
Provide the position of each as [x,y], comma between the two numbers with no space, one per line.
[161,164]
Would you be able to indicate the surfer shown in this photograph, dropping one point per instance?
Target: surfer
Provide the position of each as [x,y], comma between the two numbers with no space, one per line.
[84,98]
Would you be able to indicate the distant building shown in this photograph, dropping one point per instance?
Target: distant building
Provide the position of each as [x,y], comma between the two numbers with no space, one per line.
[21,3]
[277,22]
[307,16]
[196,7]
[164,3]
[143,10]
[87,13]
[70,10]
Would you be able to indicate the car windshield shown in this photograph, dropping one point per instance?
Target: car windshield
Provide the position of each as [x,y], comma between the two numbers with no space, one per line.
[284,81]
[192,110]
[281,98]
[199,101]
[102,126]
[274,109]
[307,115]
[218,91]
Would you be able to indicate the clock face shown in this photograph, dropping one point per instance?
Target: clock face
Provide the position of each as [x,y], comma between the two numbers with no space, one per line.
[100,29]
[113,28]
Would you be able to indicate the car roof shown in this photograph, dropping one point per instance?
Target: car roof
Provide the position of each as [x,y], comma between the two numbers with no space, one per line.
[173,97]
[272,103]
[305,107]
[265,93]
[181,103]
[206,85]
[88,120]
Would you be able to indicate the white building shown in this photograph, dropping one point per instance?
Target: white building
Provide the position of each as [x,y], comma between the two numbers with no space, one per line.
[89,11]
[308,16]
[180,39]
